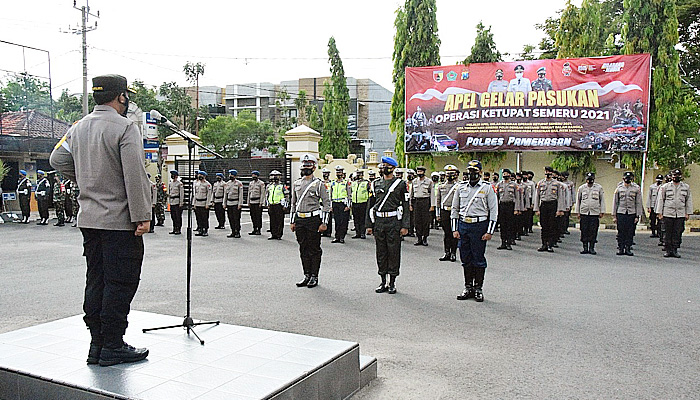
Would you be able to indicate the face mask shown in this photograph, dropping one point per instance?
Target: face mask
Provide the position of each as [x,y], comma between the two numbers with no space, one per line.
[474,177]
[420,174]
[387,171]
[590,180]
[307,171]
[200,177]
[676,178]
[275,179]
[339,176]
[548,175]
[518,75]
[628,180]
[450,177]
[255,178]
[499,76]
[218,179]
[506,178]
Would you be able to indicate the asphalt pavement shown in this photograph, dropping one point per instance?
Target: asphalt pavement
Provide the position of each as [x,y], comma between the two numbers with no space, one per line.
[553,326]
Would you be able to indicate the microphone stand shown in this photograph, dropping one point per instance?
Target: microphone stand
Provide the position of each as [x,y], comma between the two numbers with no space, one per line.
[188,323]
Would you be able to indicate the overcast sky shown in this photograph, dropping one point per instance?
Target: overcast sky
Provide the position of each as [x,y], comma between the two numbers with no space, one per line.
[243,41]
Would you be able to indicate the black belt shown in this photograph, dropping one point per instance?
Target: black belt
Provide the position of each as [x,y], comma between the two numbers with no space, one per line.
[218,197]
[204,199]
[174,197]
[508,202]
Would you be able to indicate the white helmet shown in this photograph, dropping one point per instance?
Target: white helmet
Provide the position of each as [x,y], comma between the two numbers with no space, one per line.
[308,161]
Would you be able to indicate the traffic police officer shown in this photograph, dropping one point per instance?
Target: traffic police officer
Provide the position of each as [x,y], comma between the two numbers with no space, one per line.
[423,203]
[651,204]
[360,197]
[387,220]
[202,200]
[310,206]
[627,209]
[340,198]
[256,193]
[24,194]
[509,205]
[218,193]
[176,197]
[549,201]
[443,200]
[276,200]
[674,206]
[590,204]
[233,202]
[43,188]
[474,214]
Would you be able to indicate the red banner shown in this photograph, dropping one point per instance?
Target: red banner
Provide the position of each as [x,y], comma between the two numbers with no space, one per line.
[599,103]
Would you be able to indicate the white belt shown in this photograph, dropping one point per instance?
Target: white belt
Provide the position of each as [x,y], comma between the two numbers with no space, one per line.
[473,220]
[447,208]
[387,214]
[309,214]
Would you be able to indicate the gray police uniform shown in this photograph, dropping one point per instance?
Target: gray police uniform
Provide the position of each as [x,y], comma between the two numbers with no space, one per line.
[309,209]
[627,205]
[218,193]
[256,193]
[590,204]
[422,198]
[651,203]
[233,200]
[549,198]
[474,213]
[202,199]
[443,200]
[498,86]
[674,203]
[387,214]
[176,197]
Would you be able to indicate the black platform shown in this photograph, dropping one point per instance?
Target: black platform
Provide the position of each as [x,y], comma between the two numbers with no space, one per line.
[47,361]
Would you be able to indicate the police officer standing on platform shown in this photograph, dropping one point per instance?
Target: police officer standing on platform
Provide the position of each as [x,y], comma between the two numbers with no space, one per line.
[233,202]
[474,214]
[387,220]
[674,206]
[256,192]
[43,188]
[24,194]
[423,197]
[218,193]
[590,204]
[310,206]
[276,200]
[549,201]
[509,205]
[360,197]
[627,209]
[443,200]
[176,197]
[651,204]
[340,198]
[202,200]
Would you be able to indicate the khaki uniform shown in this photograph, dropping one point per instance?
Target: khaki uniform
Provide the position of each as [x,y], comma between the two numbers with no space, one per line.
[674,203]
[176,198]
[218,193]
[422,197]
[590,204]
[256,195]
[203,196]
[310,209]
[627,206]
[549,198]
[444,196]
[233,201]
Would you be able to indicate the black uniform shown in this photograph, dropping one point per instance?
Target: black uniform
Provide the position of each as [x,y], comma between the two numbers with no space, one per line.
[386,218]
[309,210]
[43,189]
[24,192]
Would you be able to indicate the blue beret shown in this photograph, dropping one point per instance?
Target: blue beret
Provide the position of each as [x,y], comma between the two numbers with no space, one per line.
[174,172]
[220,174]
[390,161]
[40,172]
[233,172]
[203,173]
[256,173]
[23,172]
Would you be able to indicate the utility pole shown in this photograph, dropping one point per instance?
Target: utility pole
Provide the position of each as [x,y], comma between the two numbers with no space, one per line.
[83,30]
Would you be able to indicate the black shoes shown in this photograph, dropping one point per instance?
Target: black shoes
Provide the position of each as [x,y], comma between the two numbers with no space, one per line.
[336,240]
[94,354]
[313,282]
[381,288]
[274,238]
[56,224]
[478,295]
[591,249]
[234,235]
[203,232]
[453,256]
[216,227]
[419,242]
[124,354]
[668,254]
[392,289]
[654,235]
[356,237]
[620,251]
[255,233]
[542,248]
[585,249]
[468,293]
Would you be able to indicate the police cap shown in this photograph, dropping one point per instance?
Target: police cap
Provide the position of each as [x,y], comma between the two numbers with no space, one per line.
[372,173]
[359,172]
[202,173]
[506,170]
[541,70]
[23,172]
[233,172]
[390,160]
[659,177]
[420,168]
[256,173]
[339,168]
[628,174]
[174,172]
[676,172]
[435,174]
[275,173]
[548,169]
[590,175]
[450,167]
[110,83]
[308,159]
[519,68]
[474,165]
[326,171]
[411,171]
[40,172]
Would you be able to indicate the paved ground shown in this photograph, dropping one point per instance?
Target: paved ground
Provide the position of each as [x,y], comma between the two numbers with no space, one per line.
[553,326]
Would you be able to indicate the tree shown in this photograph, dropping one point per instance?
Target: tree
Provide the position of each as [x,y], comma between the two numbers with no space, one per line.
[25,92]
[548,44]
[528,52]
[484,48]
[236,136]
[193,71]
[416,44]
[652,27]
[335,139]
[69,108]
[689,37]
[177,104]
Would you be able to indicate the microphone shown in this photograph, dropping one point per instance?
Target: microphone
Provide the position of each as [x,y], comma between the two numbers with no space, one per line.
[161,119]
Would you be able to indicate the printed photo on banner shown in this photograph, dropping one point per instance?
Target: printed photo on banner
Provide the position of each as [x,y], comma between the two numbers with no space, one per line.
[585,104]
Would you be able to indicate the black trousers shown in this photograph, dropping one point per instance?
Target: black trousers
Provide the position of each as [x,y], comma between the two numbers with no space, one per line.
[342,218]
[506,216]
[202,214]
[309,239]
[449,241]
[68,206]
[529,219]
[256,216]
[589,228]
[674,232]
[43,205]
[625,229]
[24,205]
[412,218]
[113,272]
[220,214]
[234,218]
[359,217]
[654,220]
[548,221]
[176,216]
[421,211]
[473,276]
[276,213]
[387,238]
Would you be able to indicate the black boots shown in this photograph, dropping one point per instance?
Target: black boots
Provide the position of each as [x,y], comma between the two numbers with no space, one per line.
[505,245]
[447,256]
[391,289]
[313,281]
[624,250]
[468,293]
[304,281]
[392,285]
[585,248]
[123,354]
[591,248]
[382,287]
